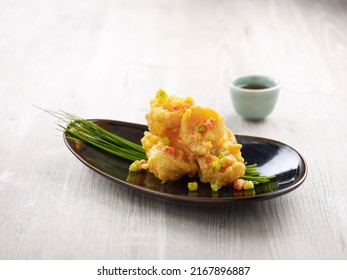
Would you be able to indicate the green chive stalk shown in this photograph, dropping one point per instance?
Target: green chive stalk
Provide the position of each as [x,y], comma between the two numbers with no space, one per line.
[252,174]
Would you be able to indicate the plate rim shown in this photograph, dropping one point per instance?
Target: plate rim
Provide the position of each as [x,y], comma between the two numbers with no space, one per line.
[207,201]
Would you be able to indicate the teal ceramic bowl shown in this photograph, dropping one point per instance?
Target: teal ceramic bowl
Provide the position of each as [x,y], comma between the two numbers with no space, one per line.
[254,97]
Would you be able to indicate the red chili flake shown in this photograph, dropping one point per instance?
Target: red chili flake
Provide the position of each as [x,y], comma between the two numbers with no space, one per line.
[210,123]
[169,150]
[210,159]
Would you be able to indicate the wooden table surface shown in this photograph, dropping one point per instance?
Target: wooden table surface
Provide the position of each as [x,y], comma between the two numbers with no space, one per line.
[106,59]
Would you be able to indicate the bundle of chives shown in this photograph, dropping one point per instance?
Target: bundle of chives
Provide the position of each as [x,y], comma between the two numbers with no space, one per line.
[88,132]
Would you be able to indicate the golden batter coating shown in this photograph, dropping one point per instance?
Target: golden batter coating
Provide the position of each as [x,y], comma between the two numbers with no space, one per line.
[188,139]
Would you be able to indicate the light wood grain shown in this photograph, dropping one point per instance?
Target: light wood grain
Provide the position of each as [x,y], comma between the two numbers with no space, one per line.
[106,59]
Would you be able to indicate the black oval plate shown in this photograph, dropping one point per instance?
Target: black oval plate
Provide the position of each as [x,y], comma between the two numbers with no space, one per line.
[272,157]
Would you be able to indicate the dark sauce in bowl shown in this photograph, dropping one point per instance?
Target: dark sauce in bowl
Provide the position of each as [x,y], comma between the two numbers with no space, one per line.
[254,86]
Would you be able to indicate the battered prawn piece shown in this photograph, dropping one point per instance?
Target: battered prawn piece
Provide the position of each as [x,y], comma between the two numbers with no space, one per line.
[164,117]
[213,146]
[201,129]
[219,172]
[230,158]
[167,160]
[168,157]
